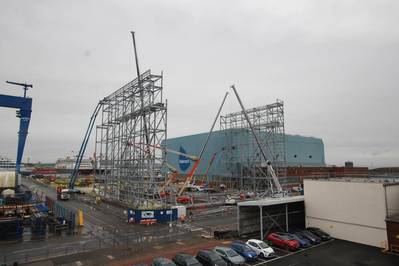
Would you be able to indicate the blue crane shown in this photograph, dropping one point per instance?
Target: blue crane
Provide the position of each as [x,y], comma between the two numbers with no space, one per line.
[24,110]
[83,146]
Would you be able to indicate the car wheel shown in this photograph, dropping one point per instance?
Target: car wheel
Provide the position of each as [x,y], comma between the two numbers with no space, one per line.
[287,248]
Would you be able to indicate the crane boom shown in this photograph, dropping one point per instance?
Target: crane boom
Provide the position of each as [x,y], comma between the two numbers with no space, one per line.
[190,156]
[147,138]
[171,177]
[190,176]
[269,166]
[209,167]
[83,146]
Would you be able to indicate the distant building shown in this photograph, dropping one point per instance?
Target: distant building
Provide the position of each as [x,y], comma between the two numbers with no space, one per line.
[234,150]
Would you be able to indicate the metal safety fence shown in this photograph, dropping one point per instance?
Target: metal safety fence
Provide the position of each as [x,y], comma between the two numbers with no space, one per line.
[135,241]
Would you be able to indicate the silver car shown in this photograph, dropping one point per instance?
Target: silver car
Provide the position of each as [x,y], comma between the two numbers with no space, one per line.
[230,256]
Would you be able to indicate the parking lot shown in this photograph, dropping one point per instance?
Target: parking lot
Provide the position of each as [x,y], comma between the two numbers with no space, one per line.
[337,252]
[281,254]
[334,252]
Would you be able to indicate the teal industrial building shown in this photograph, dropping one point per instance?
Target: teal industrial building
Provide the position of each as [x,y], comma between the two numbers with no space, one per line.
[234,149]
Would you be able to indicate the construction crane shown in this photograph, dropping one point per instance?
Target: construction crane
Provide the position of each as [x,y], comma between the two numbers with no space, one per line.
[171,178]
[24,110]
[268,163]
[192,172]
[209,167]
[79,157]
[195,159]
[147,138]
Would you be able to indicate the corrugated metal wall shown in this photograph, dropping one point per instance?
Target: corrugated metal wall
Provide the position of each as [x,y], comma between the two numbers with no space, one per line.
[304,151]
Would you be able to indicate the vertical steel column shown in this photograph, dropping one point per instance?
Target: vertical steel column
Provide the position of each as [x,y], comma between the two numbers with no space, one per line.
[238,219]
[286,217]
[261,222]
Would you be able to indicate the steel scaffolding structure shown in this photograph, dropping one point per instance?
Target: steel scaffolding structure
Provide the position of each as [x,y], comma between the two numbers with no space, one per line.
[242,155]
[129,159]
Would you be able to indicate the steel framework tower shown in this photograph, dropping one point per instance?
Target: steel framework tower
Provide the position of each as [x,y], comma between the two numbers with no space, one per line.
[133,125]
[242,155]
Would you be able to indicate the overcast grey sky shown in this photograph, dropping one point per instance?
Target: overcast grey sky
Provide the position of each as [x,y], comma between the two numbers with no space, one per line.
[334,63]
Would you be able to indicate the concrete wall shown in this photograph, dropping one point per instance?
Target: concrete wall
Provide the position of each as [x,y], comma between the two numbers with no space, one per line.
[353,211]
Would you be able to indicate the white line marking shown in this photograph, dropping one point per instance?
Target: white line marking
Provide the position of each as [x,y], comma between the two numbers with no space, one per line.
[299,251]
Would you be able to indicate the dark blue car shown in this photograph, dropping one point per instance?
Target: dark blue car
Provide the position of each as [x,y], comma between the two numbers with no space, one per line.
[303,241]
[314,240]
[244,250]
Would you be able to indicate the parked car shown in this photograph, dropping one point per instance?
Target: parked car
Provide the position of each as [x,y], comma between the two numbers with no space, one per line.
[161,261]
[184,199]
[303,242]
[230,256]
[210,258]
[244,250]
[230,201]
[310,236]
[320,233]
[283,241]
[183,259]
[260,247]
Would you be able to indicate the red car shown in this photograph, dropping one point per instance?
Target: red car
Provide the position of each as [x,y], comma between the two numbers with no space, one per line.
[184,199]
[283,241]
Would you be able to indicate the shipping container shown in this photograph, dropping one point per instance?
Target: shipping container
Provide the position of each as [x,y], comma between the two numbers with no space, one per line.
[160,216]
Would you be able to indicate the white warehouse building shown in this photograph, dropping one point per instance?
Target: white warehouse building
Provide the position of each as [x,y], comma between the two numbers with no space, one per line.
[353,210]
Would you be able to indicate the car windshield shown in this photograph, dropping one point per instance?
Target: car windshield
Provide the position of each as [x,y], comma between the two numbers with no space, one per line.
[214,256]
[284,237]
[308,233]
[191,262]
[246,249]
[263,245]
[231,253]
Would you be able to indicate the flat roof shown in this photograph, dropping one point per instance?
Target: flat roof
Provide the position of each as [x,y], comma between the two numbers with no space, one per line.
[377,181]
[271,201]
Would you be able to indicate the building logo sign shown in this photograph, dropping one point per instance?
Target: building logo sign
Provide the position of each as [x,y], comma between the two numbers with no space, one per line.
[184,162]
